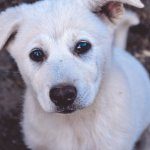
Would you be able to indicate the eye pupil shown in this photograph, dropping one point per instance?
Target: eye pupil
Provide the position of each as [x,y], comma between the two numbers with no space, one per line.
[82,47]
[37,55]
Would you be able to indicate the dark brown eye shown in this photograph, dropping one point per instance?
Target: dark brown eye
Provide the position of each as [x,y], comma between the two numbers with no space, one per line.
[82,47]
[37,55]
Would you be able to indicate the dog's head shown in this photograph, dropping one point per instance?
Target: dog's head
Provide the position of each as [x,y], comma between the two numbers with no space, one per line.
[62,48]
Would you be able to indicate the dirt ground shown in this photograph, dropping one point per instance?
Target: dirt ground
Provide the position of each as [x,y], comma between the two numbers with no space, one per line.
[12,86]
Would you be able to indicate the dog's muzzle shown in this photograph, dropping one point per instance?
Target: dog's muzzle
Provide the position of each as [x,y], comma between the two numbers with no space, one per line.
[63,96]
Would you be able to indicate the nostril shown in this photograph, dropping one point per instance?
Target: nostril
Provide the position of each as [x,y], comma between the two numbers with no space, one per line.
[63,95]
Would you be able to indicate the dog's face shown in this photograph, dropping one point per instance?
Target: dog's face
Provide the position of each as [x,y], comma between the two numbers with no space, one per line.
[62,49]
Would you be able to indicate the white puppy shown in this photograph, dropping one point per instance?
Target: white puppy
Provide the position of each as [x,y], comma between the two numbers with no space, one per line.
[82,94]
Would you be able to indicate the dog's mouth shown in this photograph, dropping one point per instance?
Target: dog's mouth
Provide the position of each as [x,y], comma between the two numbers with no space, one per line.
[67,110]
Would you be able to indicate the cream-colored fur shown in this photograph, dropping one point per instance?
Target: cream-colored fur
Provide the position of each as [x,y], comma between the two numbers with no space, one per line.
[113,87]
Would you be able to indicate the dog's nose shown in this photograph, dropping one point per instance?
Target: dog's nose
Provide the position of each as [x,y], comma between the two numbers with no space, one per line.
[63,95]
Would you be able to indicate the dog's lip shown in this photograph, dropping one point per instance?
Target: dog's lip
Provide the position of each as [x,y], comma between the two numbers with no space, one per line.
[68,110]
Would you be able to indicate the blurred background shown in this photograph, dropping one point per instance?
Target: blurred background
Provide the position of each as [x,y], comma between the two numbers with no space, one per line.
[12,86]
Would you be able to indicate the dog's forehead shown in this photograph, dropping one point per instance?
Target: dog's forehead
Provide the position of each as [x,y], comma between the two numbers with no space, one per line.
[52,12]
[55,17]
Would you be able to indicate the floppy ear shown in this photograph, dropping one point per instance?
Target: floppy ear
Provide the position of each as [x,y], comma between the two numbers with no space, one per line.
[111,9]
[9,23]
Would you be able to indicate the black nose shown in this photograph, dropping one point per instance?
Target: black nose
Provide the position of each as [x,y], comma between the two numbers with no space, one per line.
[63,95]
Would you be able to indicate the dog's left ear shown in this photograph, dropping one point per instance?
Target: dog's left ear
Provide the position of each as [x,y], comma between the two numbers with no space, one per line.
[111,9]
[9,24]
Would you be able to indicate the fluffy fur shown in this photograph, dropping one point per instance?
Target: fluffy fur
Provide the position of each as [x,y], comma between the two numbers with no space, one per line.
[112,106]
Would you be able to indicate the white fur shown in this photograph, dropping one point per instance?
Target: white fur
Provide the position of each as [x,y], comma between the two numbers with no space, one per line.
[113,88]
[129,19]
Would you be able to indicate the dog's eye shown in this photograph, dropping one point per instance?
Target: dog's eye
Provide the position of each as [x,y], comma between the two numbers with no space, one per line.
[37,55]
[82,47]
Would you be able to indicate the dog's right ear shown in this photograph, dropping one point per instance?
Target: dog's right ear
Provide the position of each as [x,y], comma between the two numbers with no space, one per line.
[9,24]
[110,9]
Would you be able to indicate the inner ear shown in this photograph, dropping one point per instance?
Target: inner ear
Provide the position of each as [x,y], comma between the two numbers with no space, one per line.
[10,39]
[111,10]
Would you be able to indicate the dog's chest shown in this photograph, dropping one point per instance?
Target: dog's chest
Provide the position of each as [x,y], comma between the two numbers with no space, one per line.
[64,136]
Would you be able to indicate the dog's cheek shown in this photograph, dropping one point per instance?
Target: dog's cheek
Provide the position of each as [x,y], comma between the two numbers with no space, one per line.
[27,73]
[41,89]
